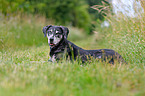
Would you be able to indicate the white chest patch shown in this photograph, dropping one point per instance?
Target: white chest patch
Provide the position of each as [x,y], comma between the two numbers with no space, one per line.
[53,58]
[99,57]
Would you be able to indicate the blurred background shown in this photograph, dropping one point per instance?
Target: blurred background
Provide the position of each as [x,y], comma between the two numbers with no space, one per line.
[21,21]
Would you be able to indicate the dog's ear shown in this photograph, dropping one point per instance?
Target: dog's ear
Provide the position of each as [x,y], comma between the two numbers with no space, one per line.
[45,29]
[65,31]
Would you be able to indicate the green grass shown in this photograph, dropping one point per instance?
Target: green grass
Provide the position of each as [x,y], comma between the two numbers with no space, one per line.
[23,73]
[23,51]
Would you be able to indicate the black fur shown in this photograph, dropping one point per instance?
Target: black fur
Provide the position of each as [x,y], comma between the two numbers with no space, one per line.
[45,29]
[74,52]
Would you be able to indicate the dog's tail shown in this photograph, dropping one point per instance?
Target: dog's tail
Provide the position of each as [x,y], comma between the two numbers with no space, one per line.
[120,59]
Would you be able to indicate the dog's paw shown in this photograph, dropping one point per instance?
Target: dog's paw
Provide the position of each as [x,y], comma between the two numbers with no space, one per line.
[49,60]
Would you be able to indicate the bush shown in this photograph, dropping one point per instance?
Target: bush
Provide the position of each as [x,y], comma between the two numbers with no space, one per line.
[64,12]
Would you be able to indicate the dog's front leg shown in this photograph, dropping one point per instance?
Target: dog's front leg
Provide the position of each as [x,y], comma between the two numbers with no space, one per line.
[50,60]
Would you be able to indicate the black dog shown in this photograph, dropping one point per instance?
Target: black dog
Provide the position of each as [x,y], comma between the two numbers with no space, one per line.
[60,47]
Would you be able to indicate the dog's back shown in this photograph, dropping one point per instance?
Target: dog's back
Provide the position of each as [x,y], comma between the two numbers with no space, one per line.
[106,54]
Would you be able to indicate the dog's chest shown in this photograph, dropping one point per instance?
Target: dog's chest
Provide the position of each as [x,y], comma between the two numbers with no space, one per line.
[59,53]
[58,56]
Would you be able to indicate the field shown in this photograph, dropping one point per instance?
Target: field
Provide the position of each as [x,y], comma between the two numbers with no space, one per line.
[24,50]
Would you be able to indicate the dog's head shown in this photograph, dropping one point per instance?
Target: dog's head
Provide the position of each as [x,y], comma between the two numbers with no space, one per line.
[55,34]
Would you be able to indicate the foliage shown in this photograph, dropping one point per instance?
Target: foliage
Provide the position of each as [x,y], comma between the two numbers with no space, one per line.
[64,12]
[77,13]
[101,5]
[26,30]
[12,6]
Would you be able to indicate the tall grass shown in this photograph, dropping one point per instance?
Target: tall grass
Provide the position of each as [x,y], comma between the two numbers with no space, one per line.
[24,72]
[21,30]
[26,30]
[126,35]
[130,34]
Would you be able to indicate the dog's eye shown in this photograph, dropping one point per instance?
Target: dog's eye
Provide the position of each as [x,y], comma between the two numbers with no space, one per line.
[49,32]
[57,31]
[57,35]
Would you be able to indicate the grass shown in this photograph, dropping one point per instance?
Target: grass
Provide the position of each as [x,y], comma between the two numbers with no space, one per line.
[23,71]
[38,78]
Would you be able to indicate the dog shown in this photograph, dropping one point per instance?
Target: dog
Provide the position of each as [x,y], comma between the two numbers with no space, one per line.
[60,48]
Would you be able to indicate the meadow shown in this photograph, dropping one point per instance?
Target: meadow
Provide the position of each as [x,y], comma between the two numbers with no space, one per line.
[24,70]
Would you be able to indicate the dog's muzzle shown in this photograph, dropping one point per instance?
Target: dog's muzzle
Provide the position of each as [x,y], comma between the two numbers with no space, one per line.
[51,42]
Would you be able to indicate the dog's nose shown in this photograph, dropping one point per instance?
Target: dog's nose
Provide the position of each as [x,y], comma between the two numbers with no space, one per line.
[51,39]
